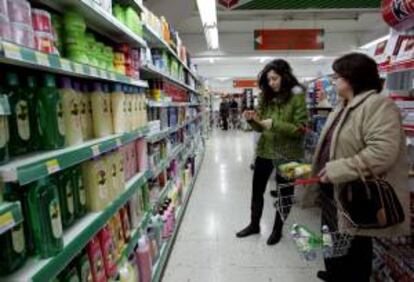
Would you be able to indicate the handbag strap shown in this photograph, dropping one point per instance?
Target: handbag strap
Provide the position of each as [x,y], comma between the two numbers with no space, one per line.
[358,168]
[362,160]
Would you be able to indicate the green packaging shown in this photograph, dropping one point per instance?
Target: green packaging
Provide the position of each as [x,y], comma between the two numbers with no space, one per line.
[84,268]
[31,87]
[79,191]
[66,197]
[13,249]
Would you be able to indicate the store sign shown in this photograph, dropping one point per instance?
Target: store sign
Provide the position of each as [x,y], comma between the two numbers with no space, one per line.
[399,14]
[244,83]
[289,39]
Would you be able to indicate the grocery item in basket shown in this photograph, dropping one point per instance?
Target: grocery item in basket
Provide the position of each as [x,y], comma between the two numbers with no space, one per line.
[22,34]
[288,169]
[41,20]
[4,28]
[19,12]
[306,241]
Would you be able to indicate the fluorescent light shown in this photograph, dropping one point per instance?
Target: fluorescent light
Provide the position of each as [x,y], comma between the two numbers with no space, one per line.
[263,59]
[374,42]
[317,58]
[208,15]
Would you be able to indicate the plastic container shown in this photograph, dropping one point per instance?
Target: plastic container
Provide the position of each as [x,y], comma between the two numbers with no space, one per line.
[4,128]
[41,20]
[44,42]
[126,227]
[79,194]
[22,34]
[71,113]
[142,155]
[112,172]
[108,252]
[85,111]
[13,250]
[19,120]
[19,12]
[144,259]
[4,27]
[84,268]
[118,109]
[66,197]
[115,227]
[120,177]
[49,108]
[101,114]
[74,23]
[96,179]
[45,218]
[96,260]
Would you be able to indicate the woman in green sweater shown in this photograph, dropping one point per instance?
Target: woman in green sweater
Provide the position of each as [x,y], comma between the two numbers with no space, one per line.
[280,118]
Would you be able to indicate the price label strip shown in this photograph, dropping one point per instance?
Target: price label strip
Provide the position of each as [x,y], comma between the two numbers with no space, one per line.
[12,51]
[95,150]
[6,222]
[42,59]
[52,166]
[66,65]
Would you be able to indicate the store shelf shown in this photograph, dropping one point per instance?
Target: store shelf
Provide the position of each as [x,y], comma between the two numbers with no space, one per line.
[25,57]
[10,215]
[75,239]
[155,40]
[399,66]
[165,104]
[167,246]
[165,163]
[38,165]
[150,71]
[98,20]
[134,3]
[155,137]
[135,235]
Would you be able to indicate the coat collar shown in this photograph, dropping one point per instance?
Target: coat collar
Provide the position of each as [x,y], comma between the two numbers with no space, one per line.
[358,99]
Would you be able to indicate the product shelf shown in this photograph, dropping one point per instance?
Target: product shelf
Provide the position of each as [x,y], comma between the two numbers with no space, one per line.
[166,104]
[150,71]
[402,66]
[154,40]
[164,163]
[10,215]
[13,54]
[75,238]
[38,165]
[98,20]
[167,246]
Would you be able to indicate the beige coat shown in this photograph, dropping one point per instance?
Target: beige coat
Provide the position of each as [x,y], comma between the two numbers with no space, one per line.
[370,127]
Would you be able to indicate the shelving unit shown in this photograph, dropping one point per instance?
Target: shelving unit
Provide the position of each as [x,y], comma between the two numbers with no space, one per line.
[13,54]
[163,104]
[399,67]
[164,163]
[33,167]
[75,239]
[10,215]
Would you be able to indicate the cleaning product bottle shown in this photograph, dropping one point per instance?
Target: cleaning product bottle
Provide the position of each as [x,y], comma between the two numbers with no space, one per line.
[71,112]
[19,120]
[4,127]
[101,116]
[13,251]
[85,110]
[45,218]
[144,259]
[152,238]
[108,252]
[66,197]
[118,109]
[31,88]
[111,172]
[96,260]
[50,112]
[96,179]
[108,107]
[79,191]
[84,268]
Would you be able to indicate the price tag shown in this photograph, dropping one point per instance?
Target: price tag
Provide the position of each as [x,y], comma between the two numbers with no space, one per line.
[6,221]
[42,59]
[66,65]
[95,150]
[105,74]
[78,68]
[93,72]
[118,142]
[112,76]
[12,51]
[52,166]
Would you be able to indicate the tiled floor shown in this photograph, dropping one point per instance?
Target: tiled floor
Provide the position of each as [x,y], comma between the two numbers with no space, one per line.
[207,249]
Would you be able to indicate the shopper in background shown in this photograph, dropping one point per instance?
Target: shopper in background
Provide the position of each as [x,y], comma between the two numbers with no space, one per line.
[234,114]
[364,130]
[280,117]
[224,113]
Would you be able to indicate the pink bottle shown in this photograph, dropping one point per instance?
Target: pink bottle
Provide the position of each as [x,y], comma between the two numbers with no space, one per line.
[142,155]
[96,260]
[108,252]
[144,259]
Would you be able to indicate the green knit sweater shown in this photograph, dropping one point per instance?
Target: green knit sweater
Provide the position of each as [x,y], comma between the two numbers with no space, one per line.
[284,140]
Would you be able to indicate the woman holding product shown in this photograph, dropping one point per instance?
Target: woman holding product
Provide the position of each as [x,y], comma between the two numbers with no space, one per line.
[280,117]
[363,135]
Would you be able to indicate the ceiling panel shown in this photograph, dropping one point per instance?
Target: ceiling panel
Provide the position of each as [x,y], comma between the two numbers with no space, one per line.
[308,4]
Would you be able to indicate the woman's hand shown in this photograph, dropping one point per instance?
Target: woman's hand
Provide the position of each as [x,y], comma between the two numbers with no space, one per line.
[324,178]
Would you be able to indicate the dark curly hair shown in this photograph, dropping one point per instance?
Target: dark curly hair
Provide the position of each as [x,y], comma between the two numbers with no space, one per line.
[282,68]
[360,71]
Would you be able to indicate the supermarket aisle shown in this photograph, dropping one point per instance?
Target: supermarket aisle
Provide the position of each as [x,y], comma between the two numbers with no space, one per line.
[206,248]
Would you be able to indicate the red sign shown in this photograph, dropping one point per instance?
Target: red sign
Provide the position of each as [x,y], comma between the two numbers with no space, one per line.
[289,39]
[228,3]
[245,83]
[399,14]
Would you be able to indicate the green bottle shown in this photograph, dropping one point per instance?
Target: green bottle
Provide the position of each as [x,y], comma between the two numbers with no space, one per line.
[79,192]
[66,197]
[4,127]
[49,108]
[31,88]
[13,250]
[19,120]
[45,218]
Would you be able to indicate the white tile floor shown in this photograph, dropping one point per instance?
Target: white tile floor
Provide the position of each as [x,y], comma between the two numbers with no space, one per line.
[207,249]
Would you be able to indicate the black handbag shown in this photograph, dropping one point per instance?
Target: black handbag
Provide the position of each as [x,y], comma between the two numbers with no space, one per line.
[371,203]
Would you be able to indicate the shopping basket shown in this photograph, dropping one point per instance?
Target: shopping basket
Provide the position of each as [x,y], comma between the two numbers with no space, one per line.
[303,226]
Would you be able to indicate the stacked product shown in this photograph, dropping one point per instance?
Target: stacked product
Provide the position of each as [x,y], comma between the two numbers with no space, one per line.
[129,17]
[160,88]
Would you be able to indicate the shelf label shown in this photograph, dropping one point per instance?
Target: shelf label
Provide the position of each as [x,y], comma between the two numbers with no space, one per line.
[112,76]
[6,222]
[66,65]
[12,51]
[52,166]
[95,150]
[42,59]
[118,142]
[93,71]
[78,68]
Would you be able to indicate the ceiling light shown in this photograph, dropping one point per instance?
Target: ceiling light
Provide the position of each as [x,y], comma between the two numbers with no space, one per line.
[317,58]
[208,15]
[374,42]
[263,59]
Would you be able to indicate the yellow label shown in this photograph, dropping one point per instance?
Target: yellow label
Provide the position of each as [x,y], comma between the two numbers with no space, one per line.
[52,166]
[6,220]
[95,150]
[18,238]
[42,59]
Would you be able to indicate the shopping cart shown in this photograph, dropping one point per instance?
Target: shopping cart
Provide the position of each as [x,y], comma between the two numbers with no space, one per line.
[304,228]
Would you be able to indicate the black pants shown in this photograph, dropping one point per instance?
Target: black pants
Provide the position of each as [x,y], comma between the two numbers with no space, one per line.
[262,171]
[356,265]
[224,121]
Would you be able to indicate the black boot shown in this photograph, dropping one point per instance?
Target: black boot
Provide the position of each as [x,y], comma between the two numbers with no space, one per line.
[249,230]
[324,276]
[276,235]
